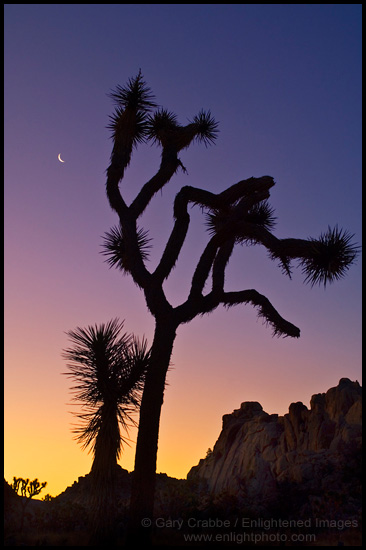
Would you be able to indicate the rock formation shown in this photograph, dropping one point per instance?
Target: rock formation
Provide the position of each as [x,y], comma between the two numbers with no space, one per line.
[304,465]
[262,458]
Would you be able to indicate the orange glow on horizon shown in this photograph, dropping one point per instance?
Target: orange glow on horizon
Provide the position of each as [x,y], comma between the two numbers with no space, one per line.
[188,427]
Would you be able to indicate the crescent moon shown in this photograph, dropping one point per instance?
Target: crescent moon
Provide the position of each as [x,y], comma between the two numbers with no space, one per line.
[59,158]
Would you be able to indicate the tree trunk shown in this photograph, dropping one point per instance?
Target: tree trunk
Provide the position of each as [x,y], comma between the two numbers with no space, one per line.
[144,476]
[103,476]
[108,441]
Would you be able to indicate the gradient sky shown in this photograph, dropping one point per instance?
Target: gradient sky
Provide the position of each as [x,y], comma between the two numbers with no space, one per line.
[284,82]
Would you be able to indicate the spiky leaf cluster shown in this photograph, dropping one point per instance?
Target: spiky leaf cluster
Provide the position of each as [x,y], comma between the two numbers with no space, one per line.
[206,127]
[161,125]
[163,128]
[115,250]
[120,126]
[108,369]
[331,256]
[260,214]
[133,103]
[134,95]
[131,124]
[216,219]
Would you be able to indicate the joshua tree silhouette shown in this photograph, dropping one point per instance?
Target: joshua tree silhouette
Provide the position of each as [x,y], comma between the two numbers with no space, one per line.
[27,490]
[108,369]
[239,214]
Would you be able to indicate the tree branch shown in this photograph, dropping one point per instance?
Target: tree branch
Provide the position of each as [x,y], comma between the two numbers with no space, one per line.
[250,187]
[216,256]
[206,304]
[168,166]
[250,191]
[280,326]
[173,248]
[225,239]
[219,265]
[203,268]
[113,193]
[179,232]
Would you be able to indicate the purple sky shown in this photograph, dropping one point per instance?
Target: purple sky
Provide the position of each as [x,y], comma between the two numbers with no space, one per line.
[284,82]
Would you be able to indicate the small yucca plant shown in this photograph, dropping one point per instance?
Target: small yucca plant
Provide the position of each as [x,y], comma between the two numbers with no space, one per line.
[108,368]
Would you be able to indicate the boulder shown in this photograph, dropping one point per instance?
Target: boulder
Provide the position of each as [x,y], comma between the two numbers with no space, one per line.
[257,454]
